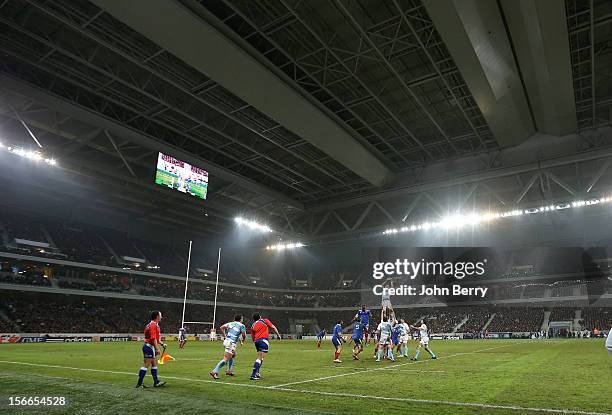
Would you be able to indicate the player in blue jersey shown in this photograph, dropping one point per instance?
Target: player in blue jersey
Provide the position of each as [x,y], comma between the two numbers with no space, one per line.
[395,339]
[320,337]
[337,341]
[358,332]
[364,316]
[232,333]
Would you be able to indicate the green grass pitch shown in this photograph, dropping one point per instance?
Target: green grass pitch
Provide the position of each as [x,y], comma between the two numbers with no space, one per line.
[164,178]
[470,377]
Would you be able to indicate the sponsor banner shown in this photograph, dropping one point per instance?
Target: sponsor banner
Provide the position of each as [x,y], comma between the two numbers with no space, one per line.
[9,339]
[69,339]
[115,338]
[32,340]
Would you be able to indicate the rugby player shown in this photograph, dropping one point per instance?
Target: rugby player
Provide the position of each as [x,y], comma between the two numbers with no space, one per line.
[358,333]
[387,307]
[320,337]
[232,333]
[150,349]
[384,336]
[337,341]
[260,333]
[405,338]
[424,335]
[182,337]
[364,316]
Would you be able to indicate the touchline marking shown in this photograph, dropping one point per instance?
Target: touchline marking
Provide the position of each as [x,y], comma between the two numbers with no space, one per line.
[384,368]
[338,394]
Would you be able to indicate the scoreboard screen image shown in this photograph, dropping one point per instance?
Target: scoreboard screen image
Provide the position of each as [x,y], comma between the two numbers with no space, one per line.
[181,176]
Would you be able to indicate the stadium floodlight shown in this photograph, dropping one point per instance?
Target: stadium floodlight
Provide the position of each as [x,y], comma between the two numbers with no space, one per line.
[460,220]
[30,155]
[281,247]
[252,224]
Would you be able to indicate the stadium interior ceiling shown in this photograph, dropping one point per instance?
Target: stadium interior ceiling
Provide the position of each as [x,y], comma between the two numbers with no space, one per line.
[326,120]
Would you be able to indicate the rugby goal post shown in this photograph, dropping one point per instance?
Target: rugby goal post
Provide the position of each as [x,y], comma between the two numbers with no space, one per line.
[212,332]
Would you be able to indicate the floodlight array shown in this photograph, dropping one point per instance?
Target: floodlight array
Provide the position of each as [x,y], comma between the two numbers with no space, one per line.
[28,154]
[457,221]
[252,224]
[281,247]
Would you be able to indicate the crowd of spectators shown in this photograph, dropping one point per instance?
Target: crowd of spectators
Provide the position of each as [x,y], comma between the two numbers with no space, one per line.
[562,314]
[26,279]
[48,313]
[517,319]
[80,246]
[597,317]
[477,318]
[22,228]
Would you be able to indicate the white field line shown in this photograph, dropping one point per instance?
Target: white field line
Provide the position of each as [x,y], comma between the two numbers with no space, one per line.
[338,394]
[385,367]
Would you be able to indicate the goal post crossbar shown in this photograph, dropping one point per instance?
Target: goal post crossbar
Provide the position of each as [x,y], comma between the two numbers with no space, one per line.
[183,322]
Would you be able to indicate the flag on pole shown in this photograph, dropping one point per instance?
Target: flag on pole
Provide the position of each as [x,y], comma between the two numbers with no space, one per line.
[164,357]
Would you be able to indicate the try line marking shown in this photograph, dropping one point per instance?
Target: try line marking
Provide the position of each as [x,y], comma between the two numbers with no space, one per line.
[358,372]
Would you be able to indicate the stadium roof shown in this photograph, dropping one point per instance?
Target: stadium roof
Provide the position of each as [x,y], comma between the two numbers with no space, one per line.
[321,117]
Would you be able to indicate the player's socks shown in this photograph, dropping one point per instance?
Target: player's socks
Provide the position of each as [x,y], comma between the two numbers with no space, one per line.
[230,363]
[380,352]
[154,374]
[256,367]
[337,355]
[418,352]
[141,375]
[433,356]
[219,366]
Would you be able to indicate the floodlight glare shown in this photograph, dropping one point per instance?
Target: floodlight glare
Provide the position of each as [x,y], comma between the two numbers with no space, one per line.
[30,155]
[252,224]
[281,247]
[472,219]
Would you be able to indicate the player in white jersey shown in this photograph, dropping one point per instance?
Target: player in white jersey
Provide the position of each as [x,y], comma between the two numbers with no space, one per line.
[387,307]
[404,338]
[609,341]
[384,337]
[232,333]
[422,329]
[182,337]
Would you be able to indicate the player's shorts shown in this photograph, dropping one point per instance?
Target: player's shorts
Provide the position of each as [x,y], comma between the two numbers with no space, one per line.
[386,303]
[395,341]
[424,341]
[336,342]
[262,345]
[148,351]
[406,338]
[357,341]
[383,340]
[365,327]
[229,346]
[182,338]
